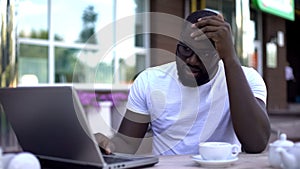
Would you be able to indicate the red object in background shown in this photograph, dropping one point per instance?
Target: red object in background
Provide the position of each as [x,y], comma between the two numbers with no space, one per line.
[254,59]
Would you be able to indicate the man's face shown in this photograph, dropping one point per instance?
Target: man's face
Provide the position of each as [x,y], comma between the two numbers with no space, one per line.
[191,70]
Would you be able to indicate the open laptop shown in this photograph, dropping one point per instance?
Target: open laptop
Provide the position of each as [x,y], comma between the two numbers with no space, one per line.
[50,123]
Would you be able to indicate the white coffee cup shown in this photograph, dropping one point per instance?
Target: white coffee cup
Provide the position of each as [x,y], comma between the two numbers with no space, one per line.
[218,150]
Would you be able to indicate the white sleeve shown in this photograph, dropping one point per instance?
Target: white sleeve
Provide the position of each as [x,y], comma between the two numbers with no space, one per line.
[137,99]
[256,84]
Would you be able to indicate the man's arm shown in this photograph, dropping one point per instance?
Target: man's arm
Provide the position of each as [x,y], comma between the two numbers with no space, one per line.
[249,115]
[130,135]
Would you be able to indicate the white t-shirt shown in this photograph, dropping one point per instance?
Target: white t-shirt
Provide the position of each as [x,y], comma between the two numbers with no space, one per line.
[182,117]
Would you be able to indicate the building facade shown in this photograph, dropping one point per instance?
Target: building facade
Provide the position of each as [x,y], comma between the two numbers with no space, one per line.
[101,42]
[263,40]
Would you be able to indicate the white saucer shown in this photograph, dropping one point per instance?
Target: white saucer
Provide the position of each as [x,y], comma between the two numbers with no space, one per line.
[214,163]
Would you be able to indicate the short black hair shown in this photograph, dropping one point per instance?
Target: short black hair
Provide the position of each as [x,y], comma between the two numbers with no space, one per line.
[194,16]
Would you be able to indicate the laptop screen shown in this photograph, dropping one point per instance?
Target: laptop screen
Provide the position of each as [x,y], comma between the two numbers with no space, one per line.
[45,124]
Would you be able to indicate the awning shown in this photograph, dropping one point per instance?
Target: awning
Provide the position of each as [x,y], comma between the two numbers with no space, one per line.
[281,8]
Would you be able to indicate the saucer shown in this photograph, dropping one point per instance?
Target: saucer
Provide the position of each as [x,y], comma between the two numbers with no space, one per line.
[214,163]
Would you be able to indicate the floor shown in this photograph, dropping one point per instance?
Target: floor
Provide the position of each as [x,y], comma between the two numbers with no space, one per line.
[286,121]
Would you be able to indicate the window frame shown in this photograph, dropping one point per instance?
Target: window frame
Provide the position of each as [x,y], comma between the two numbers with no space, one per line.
[52,44]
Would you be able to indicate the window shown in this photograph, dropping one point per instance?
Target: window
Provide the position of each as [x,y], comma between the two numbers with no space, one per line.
[81,41]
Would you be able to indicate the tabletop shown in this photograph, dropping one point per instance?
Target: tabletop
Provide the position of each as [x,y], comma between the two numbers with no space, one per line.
[186,161]
[243,161]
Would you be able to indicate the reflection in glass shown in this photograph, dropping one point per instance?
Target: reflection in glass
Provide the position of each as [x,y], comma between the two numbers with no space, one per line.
[64,57]
[8,39]
[32,19]
[129,51]
[129,70]
[140,24]
[79,23]
[81,66]
[65,60]
[8,70]
[89,17]
[92,67]
[33,62]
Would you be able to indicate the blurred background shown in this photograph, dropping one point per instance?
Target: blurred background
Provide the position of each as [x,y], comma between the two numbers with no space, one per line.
[52,42]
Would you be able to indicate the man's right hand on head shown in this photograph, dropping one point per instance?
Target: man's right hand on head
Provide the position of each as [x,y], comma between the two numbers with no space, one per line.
[104,143]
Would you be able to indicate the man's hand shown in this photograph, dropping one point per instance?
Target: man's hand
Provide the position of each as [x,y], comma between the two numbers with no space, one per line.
[245,109]
[104,143]
[216,29]
[129,136]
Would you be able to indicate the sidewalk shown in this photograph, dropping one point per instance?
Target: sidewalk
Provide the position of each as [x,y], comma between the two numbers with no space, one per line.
[286,121]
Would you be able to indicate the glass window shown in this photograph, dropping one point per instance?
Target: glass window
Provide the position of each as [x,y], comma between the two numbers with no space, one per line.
[92,66]
[134,40]
[33,64]
[80,21]
[65,61]
[32,19]
[140,24]
[91,42]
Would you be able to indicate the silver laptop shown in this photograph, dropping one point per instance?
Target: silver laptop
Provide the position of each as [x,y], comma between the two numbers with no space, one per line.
[50,123]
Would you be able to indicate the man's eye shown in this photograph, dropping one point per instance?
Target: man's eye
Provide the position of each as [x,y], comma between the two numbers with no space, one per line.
[187,48]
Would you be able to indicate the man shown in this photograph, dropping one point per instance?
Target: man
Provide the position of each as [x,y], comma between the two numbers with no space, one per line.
[206,95]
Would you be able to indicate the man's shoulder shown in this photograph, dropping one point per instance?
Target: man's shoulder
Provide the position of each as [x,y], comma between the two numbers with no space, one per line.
[247,68]
[164,68]
[252,75]
[250,71]
[164,72]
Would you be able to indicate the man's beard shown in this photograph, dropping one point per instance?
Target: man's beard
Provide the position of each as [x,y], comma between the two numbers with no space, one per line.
[191,81]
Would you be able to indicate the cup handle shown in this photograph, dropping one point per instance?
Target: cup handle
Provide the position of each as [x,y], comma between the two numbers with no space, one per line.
[235,150]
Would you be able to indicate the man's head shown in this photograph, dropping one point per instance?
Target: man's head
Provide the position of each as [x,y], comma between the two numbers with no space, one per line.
[192,70]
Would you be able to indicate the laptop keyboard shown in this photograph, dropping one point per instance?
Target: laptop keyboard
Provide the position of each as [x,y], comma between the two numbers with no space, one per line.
[114,159]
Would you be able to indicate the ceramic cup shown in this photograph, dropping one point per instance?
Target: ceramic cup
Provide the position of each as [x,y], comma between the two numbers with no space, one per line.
[218,150]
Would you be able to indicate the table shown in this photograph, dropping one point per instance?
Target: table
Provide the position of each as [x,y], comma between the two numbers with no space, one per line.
[244,161]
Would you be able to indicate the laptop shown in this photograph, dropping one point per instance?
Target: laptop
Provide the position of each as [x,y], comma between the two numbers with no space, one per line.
[50,122]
